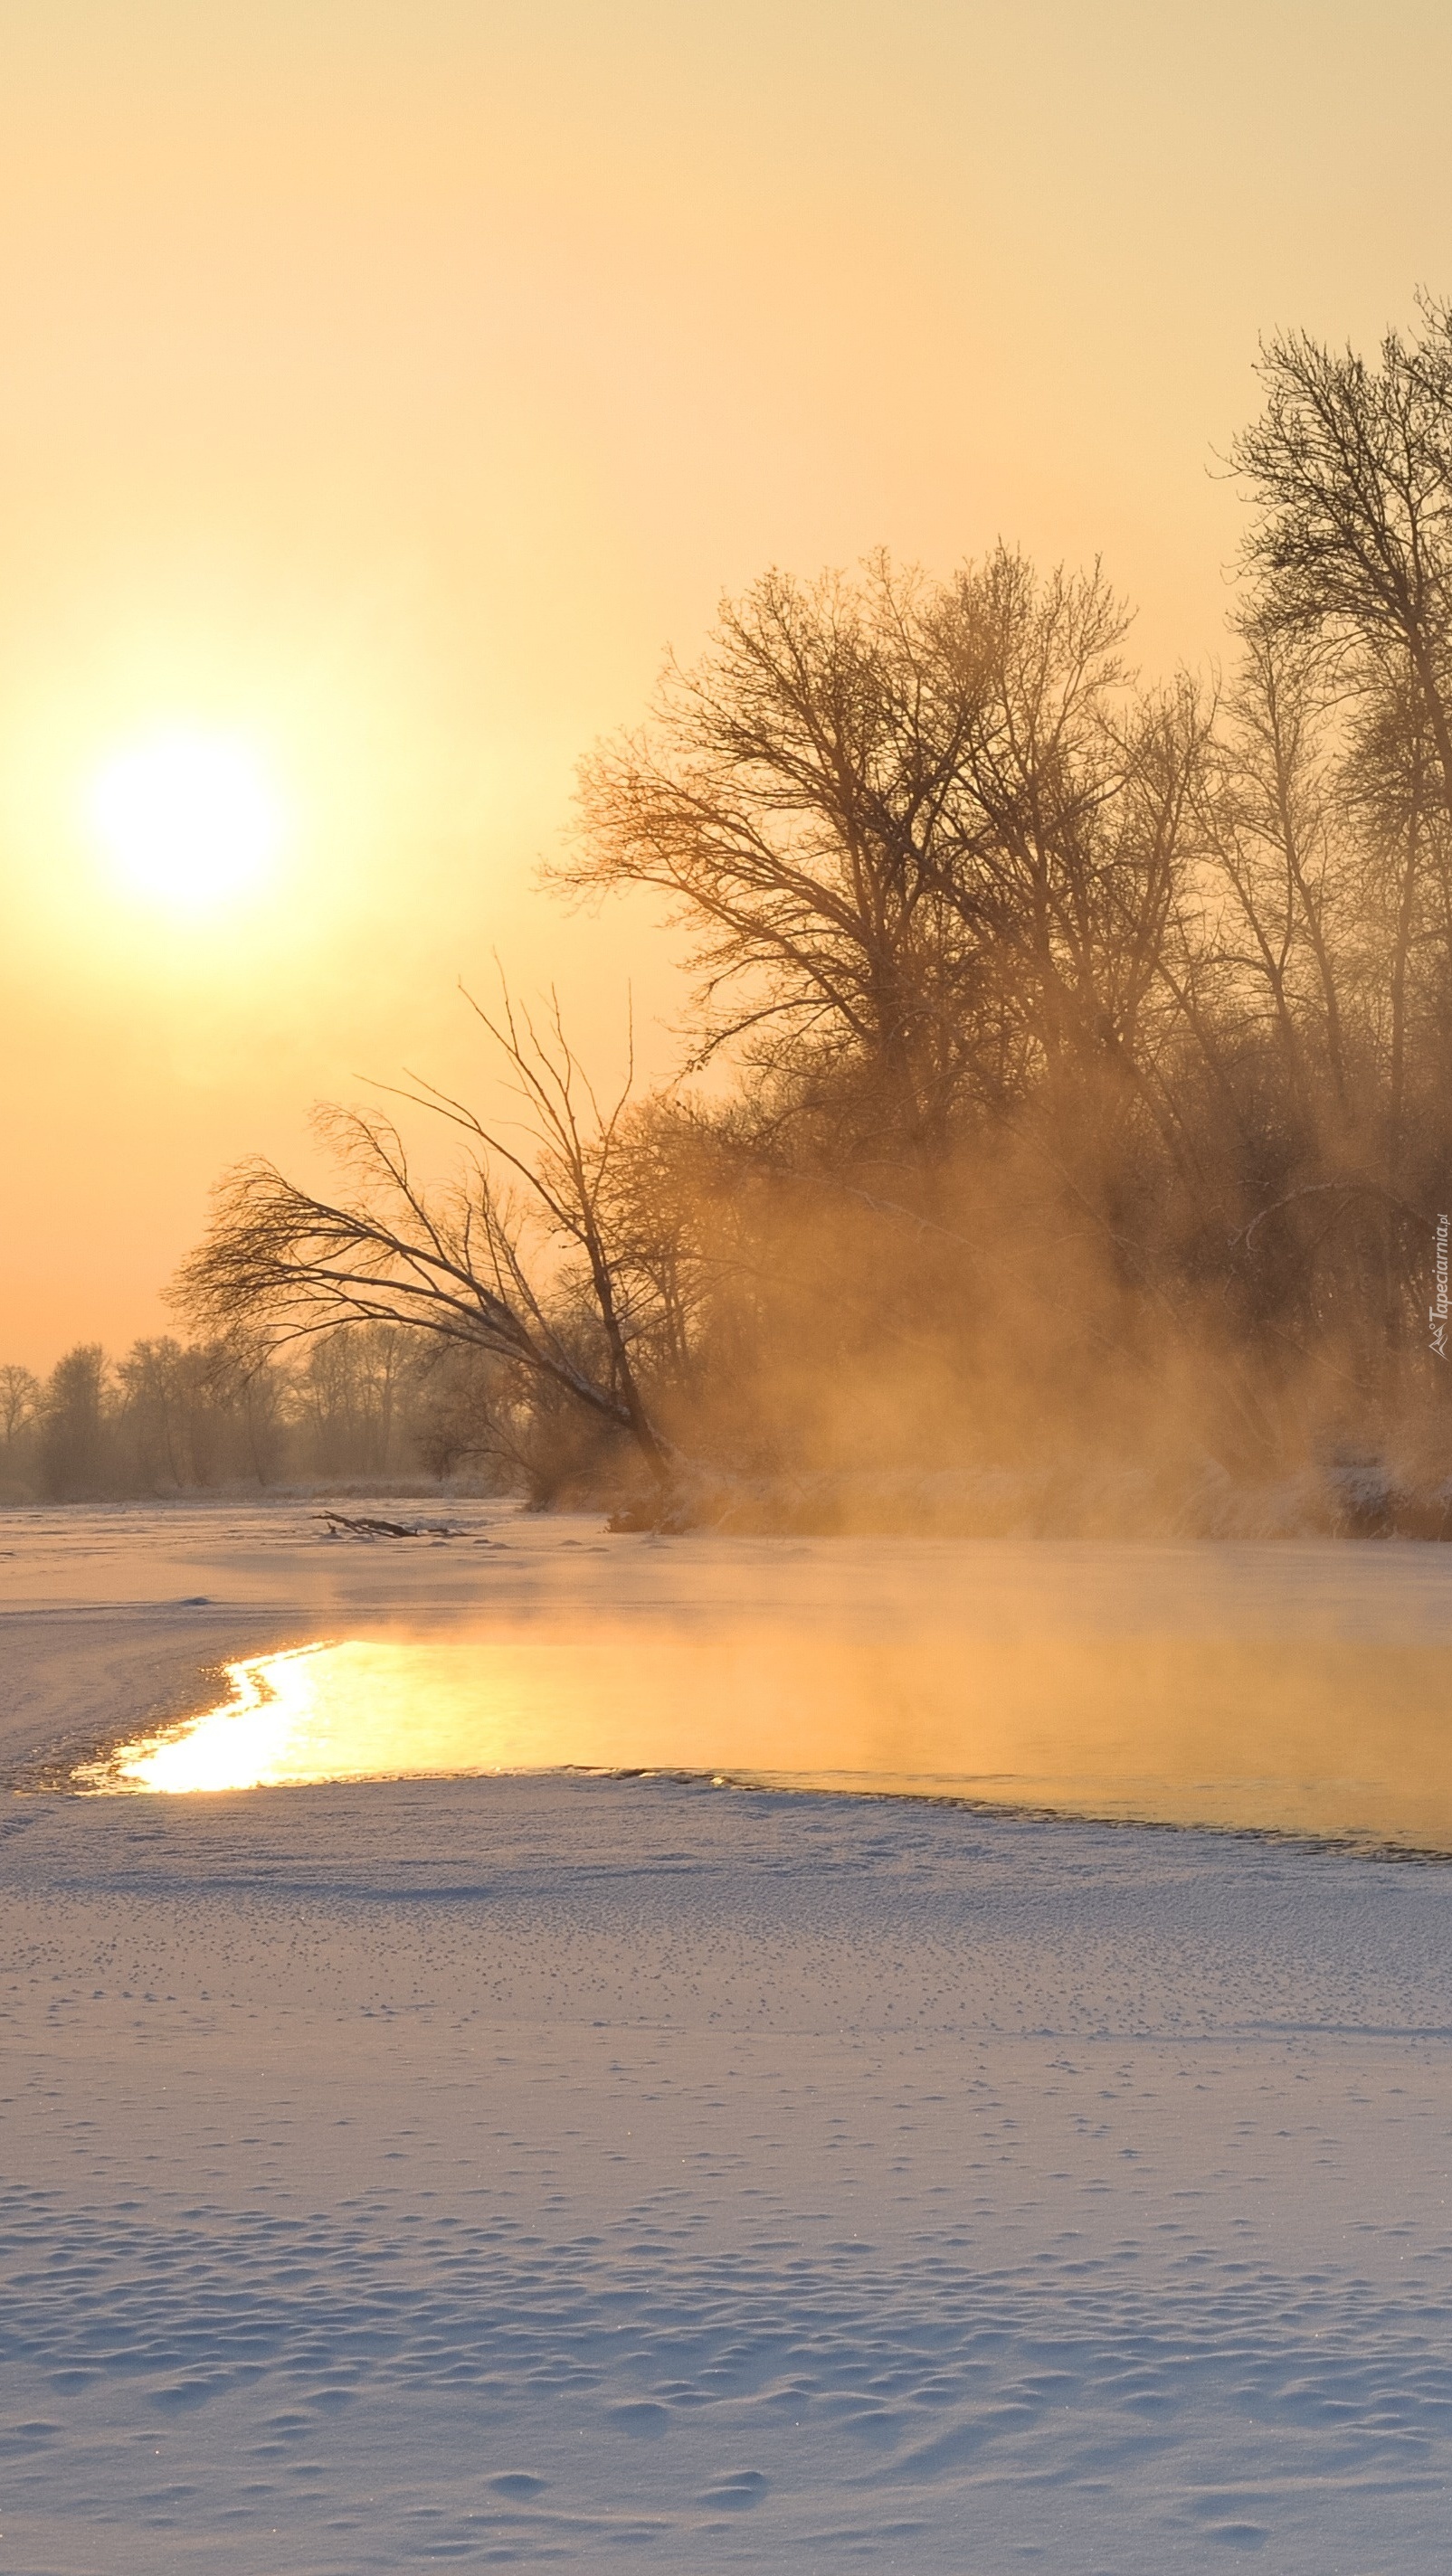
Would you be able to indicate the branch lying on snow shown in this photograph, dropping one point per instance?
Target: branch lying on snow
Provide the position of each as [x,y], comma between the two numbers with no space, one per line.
[363,1527]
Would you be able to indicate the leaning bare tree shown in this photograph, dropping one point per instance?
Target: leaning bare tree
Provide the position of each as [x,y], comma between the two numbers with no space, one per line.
[477,1264]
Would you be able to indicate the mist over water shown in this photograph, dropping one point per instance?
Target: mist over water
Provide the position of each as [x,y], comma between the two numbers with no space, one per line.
[1301,1690]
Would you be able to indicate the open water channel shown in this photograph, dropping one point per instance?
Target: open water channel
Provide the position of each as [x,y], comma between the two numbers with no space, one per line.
[1303,1689]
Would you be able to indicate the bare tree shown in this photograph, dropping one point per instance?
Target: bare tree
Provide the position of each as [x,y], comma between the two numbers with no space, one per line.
[348,1396]
[1270,830]
[476,1264]
[921,834]
[76,1422]
[19,1403]
[1350,472]
[1402,840]
[1077,813]
[795,800]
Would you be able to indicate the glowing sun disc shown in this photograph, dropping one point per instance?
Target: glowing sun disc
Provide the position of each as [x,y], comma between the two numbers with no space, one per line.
[188,819]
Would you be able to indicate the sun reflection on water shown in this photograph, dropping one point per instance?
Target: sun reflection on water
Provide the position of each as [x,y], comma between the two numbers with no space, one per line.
[245,1742]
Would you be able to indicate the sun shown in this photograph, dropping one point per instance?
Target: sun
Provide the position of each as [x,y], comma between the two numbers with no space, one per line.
[190,820]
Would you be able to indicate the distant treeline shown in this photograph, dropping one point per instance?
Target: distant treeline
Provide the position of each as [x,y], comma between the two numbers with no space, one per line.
[1070,1069]
[170,1418]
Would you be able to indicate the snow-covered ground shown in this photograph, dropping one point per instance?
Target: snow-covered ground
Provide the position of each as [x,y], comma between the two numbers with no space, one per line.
[631,2173]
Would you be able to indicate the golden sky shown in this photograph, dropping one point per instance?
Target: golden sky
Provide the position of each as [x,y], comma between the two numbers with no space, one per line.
[387,382]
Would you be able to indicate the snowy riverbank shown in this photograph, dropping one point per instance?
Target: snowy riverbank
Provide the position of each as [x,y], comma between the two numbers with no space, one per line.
[616,2173]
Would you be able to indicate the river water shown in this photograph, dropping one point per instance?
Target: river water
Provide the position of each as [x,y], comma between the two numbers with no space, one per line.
[1303,1689]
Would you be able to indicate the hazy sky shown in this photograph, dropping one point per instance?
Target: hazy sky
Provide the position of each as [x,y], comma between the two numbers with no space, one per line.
[387,382]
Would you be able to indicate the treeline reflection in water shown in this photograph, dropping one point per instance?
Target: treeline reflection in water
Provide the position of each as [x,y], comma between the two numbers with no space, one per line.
[1329,1736]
